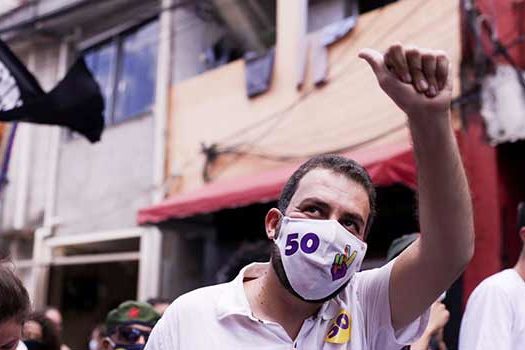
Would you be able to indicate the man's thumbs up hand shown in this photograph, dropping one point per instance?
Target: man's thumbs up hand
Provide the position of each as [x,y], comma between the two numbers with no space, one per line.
[419,81]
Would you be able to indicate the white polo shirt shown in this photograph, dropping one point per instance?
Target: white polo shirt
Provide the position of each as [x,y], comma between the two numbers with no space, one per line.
[495,314]
[21,346]
[219,317]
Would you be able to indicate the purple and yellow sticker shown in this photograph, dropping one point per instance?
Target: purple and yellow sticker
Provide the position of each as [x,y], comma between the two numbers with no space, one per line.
[340,329]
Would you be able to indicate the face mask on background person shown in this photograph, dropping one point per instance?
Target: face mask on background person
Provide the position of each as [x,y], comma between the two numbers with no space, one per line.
[93,344]
[318,256]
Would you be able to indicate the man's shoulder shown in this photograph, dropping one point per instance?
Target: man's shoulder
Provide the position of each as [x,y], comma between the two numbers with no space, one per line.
[366,285]
[501,283]
[501,279]
[377,275]
[200,299]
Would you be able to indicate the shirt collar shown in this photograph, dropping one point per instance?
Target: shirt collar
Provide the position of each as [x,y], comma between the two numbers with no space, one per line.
[330,309]
[233,300]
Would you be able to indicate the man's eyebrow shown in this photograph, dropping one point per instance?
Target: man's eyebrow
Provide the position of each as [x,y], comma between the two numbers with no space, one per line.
[314,200]
[347,215]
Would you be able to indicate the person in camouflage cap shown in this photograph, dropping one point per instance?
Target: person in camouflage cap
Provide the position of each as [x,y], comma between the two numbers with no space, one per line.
[129,325]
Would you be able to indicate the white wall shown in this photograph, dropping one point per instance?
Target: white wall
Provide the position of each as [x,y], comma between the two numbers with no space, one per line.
[101,186]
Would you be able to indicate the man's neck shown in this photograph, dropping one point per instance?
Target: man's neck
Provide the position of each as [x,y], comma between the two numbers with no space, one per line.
[270,301]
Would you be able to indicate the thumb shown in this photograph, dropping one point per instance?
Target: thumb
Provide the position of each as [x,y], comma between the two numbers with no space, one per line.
[374,59]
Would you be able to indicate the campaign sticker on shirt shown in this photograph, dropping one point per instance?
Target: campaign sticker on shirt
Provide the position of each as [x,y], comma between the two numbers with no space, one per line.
[340,329]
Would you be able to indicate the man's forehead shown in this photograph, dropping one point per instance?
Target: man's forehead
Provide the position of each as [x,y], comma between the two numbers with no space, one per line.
[324,183]
[321,178]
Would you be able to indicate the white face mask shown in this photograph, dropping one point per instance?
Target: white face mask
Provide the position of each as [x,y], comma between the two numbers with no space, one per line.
[318,256]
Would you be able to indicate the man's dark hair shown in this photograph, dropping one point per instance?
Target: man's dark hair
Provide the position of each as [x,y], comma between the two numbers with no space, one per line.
[339,165]
[521,215]
[14,300]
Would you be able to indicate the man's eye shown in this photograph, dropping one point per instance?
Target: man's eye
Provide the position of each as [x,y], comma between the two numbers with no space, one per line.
[350,224]
[312,209]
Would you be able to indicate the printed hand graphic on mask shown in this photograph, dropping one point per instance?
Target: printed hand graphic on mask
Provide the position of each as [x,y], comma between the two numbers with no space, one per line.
[342,262]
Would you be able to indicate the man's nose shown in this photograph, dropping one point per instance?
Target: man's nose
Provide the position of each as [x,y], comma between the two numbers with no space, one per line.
[333,216]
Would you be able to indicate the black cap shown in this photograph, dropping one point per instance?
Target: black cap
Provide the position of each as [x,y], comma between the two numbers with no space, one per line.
[400,244]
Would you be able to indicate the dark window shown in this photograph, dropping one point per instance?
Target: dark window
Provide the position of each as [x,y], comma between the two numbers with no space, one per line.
[249,26]
[324,12]
[369,5]
[125,67]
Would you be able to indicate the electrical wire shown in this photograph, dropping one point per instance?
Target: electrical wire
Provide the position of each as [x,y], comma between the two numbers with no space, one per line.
[287,158]
[235,149]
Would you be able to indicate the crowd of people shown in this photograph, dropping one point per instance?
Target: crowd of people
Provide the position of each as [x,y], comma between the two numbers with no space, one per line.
[126,327]
[312,293]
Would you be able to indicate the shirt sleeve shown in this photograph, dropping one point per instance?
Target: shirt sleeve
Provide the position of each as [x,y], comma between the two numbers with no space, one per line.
[374,298]
[487,321]
[164,335]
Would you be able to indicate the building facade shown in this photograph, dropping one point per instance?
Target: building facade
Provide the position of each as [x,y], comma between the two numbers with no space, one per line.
[190,161]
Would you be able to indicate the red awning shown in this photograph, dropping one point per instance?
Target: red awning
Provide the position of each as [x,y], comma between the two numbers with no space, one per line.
[386,166]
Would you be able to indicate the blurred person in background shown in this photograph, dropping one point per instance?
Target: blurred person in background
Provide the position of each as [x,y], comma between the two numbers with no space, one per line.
[494,317]
[14,308]
[129,326]
[39,333]
[432,338]
[159,304]
[54,314]
[96,337]
[247,253]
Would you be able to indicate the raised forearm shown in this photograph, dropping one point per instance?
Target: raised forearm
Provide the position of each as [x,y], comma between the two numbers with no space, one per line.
[430,265]
[445,210]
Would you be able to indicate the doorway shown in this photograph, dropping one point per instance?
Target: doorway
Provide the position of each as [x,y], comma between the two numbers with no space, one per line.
[86,293]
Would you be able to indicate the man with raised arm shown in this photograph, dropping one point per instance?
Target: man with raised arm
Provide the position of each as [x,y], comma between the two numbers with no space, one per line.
[311,295]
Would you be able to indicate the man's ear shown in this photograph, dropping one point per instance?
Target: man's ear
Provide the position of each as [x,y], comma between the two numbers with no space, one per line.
[522,234]
[271,223]
[106,345]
